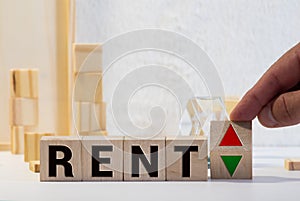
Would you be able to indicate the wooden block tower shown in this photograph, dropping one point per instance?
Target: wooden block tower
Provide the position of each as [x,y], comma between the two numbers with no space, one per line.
[231,150]
[23,106]
[89,106]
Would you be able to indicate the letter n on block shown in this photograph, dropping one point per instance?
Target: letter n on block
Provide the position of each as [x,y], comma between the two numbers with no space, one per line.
[186,158]
[102,158]
[144,159]
[60,159]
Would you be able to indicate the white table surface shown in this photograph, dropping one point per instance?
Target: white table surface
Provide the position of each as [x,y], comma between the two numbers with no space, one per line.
[271,182]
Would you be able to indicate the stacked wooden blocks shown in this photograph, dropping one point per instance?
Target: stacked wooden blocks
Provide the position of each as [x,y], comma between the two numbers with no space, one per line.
[89,106]
[231,150]
[23,106]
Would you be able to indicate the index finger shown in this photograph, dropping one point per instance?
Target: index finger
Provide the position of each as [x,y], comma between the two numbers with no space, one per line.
[282,76]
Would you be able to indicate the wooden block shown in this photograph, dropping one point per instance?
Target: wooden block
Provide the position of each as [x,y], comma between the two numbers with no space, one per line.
[34,166]
[4,146]
[239,135]
[87,56]
[292,164]
[231,164]
[90,117]
[94,133]
[186,158]
[65,20]
[32,145]
[230,103]
[60,159]
[88,87]
[24,112]
[24,83]
[231,150]
[102,158]
[144,159]
[17,139]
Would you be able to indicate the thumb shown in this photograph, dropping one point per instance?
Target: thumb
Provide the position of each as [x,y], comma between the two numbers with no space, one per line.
[282,111]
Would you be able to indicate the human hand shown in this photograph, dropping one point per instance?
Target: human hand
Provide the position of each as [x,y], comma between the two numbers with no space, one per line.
[275,98]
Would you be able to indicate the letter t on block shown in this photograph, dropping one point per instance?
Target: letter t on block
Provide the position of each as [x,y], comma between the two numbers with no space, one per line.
[186,158]
[60,159]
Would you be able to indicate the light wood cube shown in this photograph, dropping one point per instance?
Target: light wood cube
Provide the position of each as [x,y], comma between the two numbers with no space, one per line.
[144,159]
[60,159]
[32,145]
[231,150]
[102,158]
[186,158]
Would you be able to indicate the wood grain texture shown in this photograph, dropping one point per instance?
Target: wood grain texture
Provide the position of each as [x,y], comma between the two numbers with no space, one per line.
[74,144]
[24,112]
[64,39]
[292,164]
[17,139]
[34,166]
[88,87]
[32,145]
[242,129]
[219,170]
[145,147]
[113,158]
[198,167]
[90,117]
[24,83]
[87,57]
[5,147]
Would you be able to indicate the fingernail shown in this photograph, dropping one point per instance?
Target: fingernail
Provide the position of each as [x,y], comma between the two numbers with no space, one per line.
[271,117]
[266,117]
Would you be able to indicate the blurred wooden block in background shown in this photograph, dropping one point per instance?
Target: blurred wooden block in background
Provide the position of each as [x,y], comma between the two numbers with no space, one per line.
[88,87]
[34,166]
[90,117]
[24,83]
[186,158]
[87,57]
[24,112]
[5,147]
[230,103]
[292,164]
[60,158]
[32,145]
[17,139]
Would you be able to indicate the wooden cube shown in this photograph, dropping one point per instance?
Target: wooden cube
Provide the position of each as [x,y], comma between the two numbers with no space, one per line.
[34,166]
[88,87]
[102,158]
[24,112]
[186,158]
[60,159]
[231,150]
[231,164]
[292,164]
[32,145]
[90,117]
[87,57]
[144,159]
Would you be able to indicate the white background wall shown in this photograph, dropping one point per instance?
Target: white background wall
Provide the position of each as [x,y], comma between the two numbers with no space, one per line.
[242,37]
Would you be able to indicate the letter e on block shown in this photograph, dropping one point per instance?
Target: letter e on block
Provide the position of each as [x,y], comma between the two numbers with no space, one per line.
[60,159]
